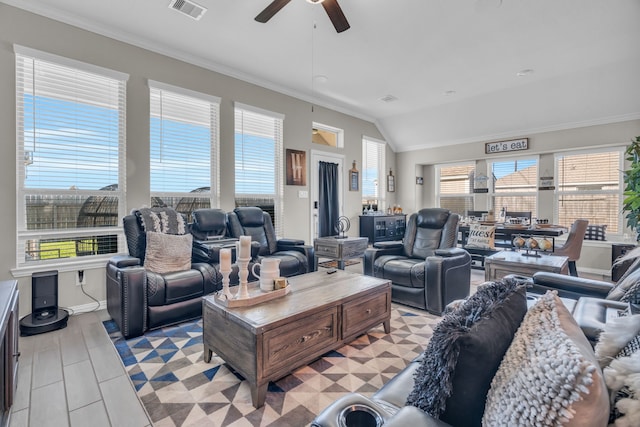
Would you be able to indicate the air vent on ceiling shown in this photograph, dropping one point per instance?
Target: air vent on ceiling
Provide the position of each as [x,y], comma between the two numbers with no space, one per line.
[189,8]
[388,98]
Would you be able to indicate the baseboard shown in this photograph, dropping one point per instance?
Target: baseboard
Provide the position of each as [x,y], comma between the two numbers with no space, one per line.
[606,274]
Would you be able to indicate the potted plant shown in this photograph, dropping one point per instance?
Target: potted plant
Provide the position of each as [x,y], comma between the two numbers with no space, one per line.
[631,202]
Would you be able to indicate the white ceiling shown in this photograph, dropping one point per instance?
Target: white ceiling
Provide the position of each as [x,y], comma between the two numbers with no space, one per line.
[585,55]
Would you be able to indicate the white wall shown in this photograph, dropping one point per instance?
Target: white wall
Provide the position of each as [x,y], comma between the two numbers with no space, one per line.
[596,256]
[34,31]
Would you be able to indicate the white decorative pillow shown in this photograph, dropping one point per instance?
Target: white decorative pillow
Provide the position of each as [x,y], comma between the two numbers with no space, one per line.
[167,253]
[482,236]
[549,375]
[618,351]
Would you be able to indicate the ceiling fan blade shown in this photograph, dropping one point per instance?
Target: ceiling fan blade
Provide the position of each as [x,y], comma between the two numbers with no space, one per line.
[271,10]
[334,11]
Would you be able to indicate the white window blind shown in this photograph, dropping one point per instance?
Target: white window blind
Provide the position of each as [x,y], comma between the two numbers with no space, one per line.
[373,173]
[259,161]
[70,145]
[184,148]
[589,186]
[455,187]
[515,185]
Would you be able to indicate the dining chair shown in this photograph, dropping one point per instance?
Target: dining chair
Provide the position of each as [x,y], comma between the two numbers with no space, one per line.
[573,246]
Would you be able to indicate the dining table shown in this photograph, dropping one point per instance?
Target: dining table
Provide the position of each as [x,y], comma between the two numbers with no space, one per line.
[506,232]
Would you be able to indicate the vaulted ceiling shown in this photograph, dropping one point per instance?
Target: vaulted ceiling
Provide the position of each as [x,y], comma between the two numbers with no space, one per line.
[450,67]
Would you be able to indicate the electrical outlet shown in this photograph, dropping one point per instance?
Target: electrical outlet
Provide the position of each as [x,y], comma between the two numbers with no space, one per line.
[303,194]
[80,279]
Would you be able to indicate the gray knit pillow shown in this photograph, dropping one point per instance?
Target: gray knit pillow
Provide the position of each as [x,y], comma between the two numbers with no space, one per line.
[550,375]
[167,253]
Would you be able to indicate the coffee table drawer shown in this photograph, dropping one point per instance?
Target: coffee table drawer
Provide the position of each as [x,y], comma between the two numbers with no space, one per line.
[284,345]
[360,315]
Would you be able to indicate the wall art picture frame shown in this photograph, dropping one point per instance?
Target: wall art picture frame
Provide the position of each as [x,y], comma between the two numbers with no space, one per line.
[353,178]
[296,167]
[391,182]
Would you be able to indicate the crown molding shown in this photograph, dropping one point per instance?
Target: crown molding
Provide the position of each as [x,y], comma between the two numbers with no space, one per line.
[530,131]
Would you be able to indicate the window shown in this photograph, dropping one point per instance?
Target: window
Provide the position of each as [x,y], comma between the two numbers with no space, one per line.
[259,161]
[184,148]
[515,185]
[589,186]
[70,167]
[455,187]
[327,135]
[373,176]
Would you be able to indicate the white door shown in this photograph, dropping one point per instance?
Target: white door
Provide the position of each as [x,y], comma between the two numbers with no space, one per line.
[316,158]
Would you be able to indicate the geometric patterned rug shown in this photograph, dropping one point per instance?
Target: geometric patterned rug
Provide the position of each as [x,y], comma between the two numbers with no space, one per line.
[178,388]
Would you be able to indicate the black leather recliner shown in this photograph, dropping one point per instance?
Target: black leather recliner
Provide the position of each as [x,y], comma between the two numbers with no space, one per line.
[295,257]
[426,270]
[210,234]
[139,300]
[210,230]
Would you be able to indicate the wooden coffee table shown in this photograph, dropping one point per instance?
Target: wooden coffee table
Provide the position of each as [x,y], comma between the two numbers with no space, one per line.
[270,340]
[503,263]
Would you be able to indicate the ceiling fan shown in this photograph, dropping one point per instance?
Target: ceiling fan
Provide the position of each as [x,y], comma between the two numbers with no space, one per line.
[332,8]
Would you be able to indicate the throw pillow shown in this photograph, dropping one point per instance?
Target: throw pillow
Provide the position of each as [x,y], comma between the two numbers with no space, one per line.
[596,232]
[624,285]
[550,375]
[481,236]
[465,351]
[167,253]
[618,351]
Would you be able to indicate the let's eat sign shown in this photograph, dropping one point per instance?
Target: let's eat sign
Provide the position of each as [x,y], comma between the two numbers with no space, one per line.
[504,146]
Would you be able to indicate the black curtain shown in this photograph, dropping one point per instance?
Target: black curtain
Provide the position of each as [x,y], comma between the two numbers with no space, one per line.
[328,199]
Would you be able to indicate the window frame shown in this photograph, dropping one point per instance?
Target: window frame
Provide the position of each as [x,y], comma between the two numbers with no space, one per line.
[438,181]
[279,169]
[23,234]
[492,184]
[381,197]
[622,229]
[337,133]
[187,95]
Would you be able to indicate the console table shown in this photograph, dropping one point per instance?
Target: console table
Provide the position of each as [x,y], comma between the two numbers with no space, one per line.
[382,228]
[8,346]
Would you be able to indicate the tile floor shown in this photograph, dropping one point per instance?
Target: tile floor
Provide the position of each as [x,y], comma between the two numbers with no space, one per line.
[74,377]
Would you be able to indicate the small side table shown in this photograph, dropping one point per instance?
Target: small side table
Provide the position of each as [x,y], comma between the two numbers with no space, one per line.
[503,263]
[339,249]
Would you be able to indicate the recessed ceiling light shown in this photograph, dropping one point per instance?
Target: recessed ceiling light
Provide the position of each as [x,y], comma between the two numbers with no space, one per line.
[388,98]
[320,78]
[524,72]
[450,92]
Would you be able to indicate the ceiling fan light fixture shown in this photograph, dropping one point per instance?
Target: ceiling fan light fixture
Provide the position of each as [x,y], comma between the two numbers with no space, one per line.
[315,1]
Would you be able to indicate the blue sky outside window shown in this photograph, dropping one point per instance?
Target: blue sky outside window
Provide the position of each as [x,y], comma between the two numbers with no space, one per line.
[73,145]
[255,164]
[179,163]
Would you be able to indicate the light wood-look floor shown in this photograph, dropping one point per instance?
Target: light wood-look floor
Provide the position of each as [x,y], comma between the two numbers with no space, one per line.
[74,377]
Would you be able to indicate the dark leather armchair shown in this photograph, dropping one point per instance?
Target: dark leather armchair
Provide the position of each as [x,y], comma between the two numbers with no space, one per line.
[426,270]
[139,299]
[295,257]
[210,234]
